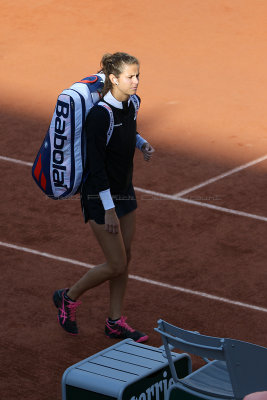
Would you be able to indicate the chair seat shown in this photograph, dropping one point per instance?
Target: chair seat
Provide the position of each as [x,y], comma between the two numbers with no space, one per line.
[212,379]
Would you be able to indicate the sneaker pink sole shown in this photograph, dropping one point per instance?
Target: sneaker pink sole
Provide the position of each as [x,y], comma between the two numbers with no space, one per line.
[142,339]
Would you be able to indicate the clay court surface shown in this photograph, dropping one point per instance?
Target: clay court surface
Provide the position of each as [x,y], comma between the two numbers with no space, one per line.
[199,255]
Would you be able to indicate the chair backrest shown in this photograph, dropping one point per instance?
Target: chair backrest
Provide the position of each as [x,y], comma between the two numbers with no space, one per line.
[246,362]
[192,342]
[247,367]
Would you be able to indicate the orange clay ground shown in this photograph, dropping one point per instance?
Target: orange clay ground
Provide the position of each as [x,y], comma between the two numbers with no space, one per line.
[204,94]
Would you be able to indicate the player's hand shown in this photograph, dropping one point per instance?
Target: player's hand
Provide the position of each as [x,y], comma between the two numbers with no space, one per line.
[147,150]
[111,221]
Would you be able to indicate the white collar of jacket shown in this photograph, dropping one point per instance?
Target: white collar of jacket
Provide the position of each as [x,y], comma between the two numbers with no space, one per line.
[110,99]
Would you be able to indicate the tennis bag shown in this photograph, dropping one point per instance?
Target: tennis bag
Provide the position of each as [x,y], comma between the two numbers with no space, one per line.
[59,165]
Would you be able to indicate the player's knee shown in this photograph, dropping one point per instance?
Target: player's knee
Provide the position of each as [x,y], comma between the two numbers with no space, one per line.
[118,267]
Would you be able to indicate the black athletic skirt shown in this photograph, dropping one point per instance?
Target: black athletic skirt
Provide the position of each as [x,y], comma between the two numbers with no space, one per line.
[93,209]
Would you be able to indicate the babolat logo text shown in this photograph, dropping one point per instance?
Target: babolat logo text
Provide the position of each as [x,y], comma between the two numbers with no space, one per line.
[62,113]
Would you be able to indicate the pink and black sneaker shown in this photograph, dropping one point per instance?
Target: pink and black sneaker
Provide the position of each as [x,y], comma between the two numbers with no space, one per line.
[121,330]
[66,311]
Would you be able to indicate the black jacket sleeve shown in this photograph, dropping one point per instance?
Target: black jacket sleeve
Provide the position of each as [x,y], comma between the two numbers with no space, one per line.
[96,128]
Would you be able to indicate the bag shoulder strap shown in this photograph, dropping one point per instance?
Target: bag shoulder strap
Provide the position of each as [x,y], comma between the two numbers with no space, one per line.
[111,124]
[134,99]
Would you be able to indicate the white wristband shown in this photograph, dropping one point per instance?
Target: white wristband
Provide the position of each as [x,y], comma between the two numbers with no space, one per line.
[106,199]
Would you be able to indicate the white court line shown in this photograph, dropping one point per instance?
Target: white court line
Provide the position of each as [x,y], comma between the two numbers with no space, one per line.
[221,176]
[173,197]
[151,194]
[201,204]
[14,160]
[222,209]
[138,278]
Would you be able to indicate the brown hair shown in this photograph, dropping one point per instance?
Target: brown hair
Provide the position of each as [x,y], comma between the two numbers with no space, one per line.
[114,64]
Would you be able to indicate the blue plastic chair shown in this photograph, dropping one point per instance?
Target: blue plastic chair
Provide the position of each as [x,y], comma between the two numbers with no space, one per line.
[233,368]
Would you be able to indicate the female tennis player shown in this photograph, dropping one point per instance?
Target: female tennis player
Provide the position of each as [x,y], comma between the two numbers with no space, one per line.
[107,196]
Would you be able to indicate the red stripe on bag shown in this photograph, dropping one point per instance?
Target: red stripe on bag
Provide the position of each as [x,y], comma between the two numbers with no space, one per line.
[37,169]
[43,181]
[92,79]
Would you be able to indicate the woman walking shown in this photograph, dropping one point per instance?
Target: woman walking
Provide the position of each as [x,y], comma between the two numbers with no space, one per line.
[107,196]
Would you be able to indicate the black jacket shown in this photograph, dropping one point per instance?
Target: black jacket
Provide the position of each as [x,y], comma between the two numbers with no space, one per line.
[110,166]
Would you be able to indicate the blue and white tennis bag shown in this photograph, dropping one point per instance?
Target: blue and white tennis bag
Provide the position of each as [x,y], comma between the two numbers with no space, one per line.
[58,167]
